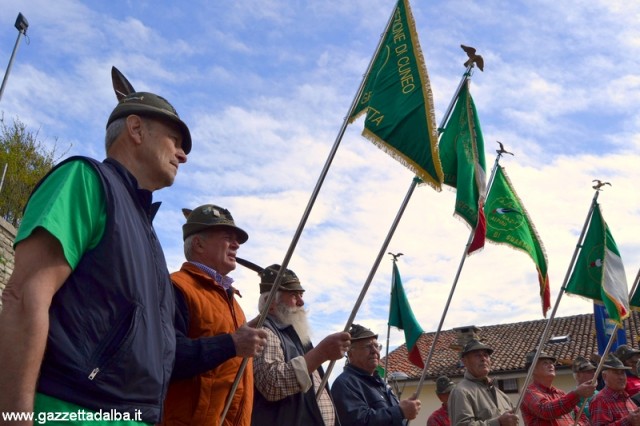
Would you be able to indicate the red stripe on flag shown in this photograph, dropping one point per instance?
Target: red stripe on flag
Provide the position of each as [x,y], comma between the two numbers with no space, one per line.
[480,233]
[415,357]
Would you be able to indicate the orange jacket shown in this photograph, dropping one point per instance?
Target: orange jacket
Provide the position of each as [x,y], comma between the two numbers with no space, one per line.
[201,399]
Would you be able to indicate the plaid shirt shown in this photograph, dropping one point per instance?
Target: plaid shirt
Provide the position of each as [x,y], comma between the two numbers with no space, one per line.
[440,417]
[277,379]
[611,407]
[550,406]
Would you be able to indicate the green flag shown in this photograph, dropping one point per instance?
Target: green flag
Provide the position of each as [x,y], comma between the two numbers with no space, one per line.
[599,273]
[398,102]
[401,316]
[462,155]
[508,223]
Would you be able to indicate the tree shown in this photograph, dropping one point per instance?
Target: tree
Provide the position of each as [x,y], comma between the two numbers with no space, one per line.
[23,162]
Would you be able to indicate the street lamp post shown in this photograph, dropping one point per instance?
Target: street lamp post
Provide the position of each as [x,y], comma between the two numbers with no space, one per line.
[21,25]
[396,378]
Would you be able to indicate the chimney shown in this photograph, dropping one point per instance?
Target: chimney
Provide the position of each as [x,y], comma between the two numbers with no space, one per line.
[465,334]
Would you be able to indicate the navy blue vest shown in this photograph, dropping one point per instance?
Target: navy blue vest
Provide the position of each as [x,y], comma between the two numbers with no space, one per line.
[299,409]
[111,342]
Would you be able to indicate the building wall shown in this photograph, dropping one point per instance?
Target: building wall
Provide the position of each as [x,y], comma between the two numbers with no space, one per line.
[7,235]
[430,402]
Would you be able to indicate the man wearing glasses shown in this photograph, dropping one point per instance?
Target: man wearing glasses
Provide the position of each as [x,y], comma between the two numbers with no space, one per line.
[544,404]
[359,393]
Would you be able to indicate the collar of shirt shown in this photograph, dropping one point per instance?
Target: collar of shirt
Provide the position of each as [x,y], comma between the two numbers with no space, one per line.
[484,380]
[224,281]
[546,389]
[617,395]
[144,196]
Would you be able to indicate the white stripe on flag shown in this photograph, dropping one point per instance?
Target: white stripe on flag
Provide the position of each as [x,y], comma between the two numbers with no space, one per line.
[615,280]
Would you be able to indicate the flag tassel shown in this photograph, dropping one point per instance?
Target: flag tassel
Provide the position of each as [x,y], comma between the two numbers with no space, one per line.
[547,328]
[392,230]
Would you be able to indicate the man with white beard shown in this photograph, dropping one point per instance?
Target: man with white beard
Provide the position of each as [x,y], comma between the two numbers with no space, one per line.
[288,372]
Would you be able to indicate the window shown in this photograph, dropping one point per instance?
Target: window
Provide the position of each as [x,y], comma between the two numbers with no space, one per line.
[559,339]
[508,385]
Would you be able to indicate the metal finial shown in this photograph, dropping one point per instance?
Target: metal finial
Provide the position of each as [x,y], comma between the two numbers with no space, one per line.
[599,184]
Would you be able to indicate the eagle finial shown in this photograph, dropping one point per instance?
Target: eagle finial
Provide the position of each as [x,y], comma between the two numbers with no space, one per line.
[599,184]
[395,256]
[502,150]
[473,57]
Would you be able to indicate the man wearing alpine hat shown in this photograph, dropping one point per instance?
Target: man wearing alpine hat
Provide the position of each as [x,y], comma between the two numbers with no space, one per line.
[584,371]
[440,417]
[612,405]
[475,400]
[89,298]
[288,372]
[544,404]
[212,337]
[360,394]
[630,357]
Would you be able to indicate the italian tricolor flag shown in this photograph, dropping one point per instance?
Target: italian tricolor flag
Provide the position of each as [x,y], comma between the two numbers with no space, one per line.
[599,273]
[401,316]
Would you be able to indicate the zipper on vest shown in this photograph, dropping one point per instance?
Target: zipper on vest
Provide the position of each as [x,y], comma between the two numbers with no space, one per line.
[94,373]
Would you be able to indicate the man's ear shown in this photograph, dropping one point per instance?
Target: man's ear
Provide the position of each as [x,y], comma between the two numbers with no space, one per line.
[197,243]
[135,128]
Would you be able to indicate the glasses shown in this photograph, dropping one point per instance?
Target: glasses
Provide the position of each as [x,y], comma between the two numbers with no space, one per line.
[371,347]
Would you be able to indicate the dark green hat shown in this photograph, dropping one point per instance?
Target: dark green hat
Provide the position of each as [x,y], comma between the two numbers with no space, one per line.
[208,216]
[529,358]
[475,345]
[290,281]
[624,352]
[581,364]
[150,105]
[444,385]
[613,363]
[359,332]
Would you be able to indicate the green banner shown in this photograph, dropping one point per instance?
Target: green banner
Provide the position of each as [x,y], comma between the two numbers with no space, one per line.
[508,223]
[398,102]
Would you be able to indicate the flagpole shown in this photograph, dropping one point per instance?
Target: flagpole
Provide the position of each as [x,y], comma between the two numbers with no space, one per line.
[447,113]
[547,327]
[453,288]
[374,268]
[372,273]
[305,216]
[614,336]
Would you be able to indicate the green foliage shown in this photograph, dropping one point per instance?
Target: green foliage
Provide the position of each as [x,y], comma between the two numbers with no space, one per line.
[26,161]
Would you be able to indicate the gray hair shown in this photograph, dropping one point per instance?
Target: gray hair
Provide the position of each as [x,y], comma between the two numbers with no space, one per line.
[113,131]
[188,246]
[262,301]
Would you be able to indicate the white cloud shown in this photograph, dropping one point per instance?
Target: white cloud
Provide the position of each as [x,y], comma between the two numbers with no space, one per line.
[265,87]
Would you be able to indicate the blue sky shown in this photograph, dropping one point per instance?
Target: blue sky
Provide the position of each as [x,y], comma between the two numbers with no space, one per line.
[265,86]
